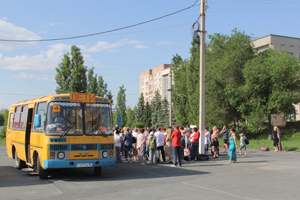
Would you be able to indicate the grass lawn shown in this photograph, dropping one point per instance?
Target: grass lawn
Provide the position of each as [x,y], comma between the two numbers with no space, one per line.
[2,142]
[291,144]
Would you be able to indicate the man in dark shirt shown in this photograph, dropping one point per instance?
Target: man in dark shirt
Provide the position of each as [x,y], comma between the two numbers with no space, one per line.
[128,145]
[225,138]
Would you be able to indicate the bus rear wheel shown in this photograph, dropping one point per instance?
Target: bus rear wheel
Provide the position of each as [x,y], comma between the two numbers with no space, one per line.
[97,171]
[19,164]
[43,174]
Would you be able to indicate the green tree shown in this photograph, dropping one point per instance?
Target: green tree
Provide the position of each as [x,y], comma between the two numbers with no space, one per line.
[179,91]
[110,97]
[79,80]
[92,82]
[121,104]
[192,84]
[71,73]
[102,87]
[157,111]
[147,115]
[63,75]
[130,117]
[140,109]
[272,86]
[225,60]
[2,120]
[165,113]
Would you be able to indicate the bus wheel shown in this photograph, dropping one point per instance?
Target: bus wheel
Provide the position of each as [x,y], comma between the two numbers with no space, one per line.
[43,174]
[19,164]
[97,171]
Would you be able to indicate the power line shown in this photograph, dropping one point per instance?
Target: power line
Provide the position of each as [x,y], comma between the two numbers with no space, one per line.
[99,33]
[148,30]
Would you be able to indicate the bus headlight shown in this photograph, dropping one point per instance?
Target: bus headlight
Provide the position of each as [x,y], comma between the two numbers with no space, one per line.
[61,155]
[104,154]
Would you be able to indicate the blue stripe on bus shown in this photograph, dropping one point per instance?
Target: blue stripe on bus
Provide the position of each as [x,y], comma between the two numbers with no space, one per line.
[52,164]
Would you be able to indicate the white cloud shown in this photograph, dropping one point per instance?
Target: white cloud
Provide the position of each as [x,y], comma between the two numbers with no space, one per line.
[139,46]
[49,59]
[59,23]
[5,18]
[104,45]
[46,60]
[12,32]
[24,75]
[164,43]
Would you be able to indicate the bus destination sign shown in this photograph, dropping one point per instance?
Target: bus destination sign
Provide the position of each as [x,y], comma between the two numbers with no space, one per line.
[82,97]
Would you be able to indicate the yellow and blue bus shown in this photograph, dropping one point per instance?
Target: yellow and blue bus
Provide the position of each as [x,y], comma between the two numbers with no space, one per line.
[61,131]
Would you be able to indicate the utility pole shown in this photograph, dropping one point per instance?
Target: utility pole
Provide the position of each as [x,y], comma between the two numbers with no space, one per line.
[202,78]
[170,93]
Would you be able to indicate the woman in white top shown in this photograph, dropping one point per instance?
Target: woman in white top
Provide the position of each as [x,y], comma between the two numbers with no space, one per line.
[118,140]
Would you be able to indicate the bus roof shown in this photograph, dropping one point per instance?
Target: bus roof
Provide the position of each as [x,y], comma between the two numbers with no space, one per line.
[51,97]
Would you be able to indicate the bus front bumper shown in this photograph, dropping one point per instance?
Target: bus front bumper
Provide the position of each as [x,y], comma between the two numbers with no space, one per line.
[52,164]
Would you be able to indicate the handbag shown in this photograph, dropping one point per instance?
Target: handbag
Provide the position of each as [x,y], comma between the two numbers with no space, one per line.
[186,152]
[215,142]
[195,144]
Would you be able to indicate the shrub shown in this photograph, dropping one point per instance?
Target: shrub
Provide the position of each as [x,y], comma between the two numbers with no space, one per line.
[139,125]
[3,132]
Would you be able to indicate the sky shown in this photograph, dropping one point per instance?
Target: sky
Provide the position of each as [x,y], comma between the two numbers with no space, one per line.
[27,70]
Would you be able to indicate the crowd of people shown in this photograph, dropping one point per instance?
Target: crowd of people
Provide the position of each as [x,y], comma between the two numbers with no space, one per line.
[173,145]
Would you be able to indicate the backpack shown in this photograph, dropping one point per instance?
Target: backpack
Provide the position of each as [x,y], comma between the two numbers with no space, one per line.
[246,141]
[152,144]
[133,140]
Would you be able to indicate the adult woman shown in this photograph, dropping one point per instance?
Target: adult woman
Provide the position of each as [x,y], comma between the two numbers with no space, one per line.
[118,140]
[232,146]
[215,142]
[195,144]
[140,145]
[134,139]
[275,138]
[279,139]
[168,147]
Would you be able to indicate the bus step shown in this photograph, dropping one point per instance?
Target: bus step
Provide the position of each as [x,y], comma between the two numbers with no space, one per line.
[30,171]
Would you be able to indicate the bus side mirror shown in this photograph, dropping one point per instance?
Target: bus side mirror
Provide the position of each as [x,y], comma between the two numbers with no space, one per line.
[37,120]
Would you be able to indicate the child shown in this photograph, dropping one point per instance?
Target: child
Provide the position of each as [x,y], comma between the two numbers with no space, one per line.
[152,149]
[243,144]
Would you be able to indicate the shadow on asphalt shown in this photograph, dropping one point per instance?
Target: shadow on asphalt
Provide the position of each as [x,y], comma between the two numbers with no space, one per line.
[128,171]
[12,177]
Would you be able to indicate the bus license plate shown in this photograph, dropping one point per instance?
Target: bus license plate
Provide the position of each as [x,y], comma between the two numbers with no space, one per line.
[84,164]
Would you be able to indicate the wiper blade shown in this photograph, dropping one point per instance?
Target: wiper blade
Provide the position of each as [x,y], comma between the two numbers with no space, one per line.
[67,130]
[99,130]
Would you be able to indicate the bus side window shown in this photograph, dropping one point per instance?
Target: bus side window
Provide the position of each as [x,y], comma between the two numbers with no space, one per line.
[16,120]
[11,115]
[40,116]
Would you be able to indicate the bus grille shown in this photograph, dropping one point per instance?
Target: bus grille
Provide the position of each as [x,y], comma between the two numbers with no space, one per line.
[58,147]
[107,146]
[76,147]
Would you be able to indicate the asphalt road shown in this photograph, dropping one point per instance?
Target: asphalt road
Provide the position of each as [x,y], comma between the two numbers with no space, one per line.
[260,175]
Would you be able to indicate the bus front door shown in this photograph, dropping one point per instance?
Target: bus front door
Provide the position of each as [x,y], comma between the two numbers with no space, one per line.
[27,132]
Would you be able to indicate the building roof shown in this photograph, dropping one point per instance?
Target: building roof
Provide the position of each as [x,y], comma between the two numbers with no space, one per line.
[277,36]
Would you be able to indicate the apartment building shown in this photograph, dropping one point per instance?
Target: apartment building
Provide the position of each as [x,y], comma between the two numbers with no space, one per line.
[155,79]
[280,43]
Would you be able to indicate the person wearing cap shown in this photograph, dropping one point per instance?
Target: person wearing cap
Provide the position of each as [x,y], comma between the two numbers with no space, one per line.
[243,144]
[160,142]
[152,148]
[176,143]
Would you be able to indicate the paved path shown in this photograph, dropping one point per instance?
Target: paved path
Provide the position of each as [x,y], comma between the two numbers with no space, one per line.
[260,175]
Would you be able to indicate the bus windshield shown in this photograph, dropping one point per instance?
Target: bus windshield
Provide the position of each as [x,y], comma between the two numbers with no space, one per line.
[98,119]
[64,117]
